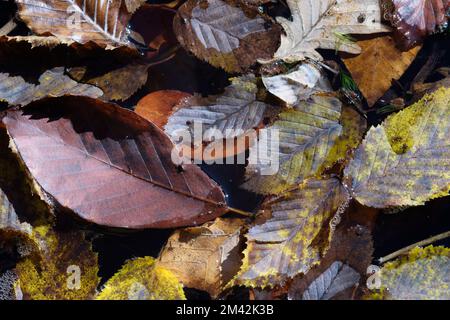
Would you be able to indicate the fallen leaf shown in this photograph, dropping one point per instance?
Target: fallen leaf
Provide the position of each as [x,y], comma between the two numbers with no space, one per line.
[423,274]
[298,84]
[80,21]
[52,83]
[109,165]
[404,161]
[9,222]
[142,279]
[67,270]
[205,257]
[421,89]
[379,63]
[120,84]
[158,106]
[296,236]
[414,20]
[9,289]
[313,136]
[318,24]
[224,35]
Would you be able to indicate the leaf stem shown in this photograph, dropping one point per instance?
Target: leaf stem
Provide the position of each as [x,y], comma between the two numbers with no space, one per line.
[418,244]
[241,212]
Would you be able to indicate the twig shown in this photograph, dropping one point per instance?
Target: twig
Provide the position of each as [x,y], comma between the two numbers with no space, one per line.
[418,244]
[241,212]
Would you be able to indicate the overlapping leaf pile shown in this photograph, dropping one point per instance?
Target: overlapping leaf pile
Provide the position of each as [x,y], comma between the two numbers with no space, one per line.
[290,96]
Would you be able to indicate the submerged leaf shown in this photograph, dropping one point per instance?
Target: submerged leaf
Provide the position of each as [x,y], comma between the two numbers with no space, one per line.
[317,24]
[142,279]
[109,165]
[424,274]
[80,20]
[224,35]
[205,257]
[405,161]
[53,83]
[296,236]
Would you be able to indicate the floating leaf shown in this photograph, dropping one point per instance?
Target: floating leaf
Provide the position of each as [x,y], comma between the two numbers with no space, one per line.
[296,236]
[109,165]
[338,277]
[311,139]
[317,24]
[423,274]
[298,84]
[67,271]
[142,279]
[103,22]
[224,35]
[53,83]
[404,161]
[205,257]
[379,63]
[414,20]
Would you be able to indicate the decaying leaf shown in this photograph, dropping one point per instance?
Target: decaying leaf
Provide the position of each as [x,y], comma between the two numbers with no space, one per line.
[9,289]
[424,274]
[414,20]
[421,89]
[120,84]
[103,22]
[159,105]
[296,236]
[338,277]
[109,165]
[225,35]
[231,113]
[67,269]
[142,279]
[378,64]
[404,161]
[9,222]
[206,257]
[313,136]
[299,84]
[53,83]
[317,24]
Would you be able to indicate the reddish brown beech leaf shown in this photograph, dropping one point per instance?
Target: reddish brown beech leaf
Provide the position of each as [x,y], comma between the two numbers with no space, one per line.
[103,22]
[224,35]
[414,20]
[157,106]
[109,165]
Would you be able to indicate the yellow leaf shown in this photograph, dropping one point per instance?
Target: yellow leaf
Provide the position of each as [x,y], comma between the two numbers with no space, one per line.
[296,236]
[141,279]
[405,161]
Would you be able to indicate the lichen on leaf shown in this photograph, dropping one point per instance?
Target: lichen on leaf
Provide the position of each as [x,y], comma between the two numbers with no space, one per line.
[404,161]
[296,234]
[423,274]
[142,279]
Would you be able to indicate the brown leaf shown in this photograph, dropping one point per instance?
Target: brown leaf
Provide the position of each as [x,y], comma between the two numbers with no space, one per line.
[80,20]
[205,257]
[109,165]
[379,63]
[414,20]
[120,84]
[224,35]
[157,106]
